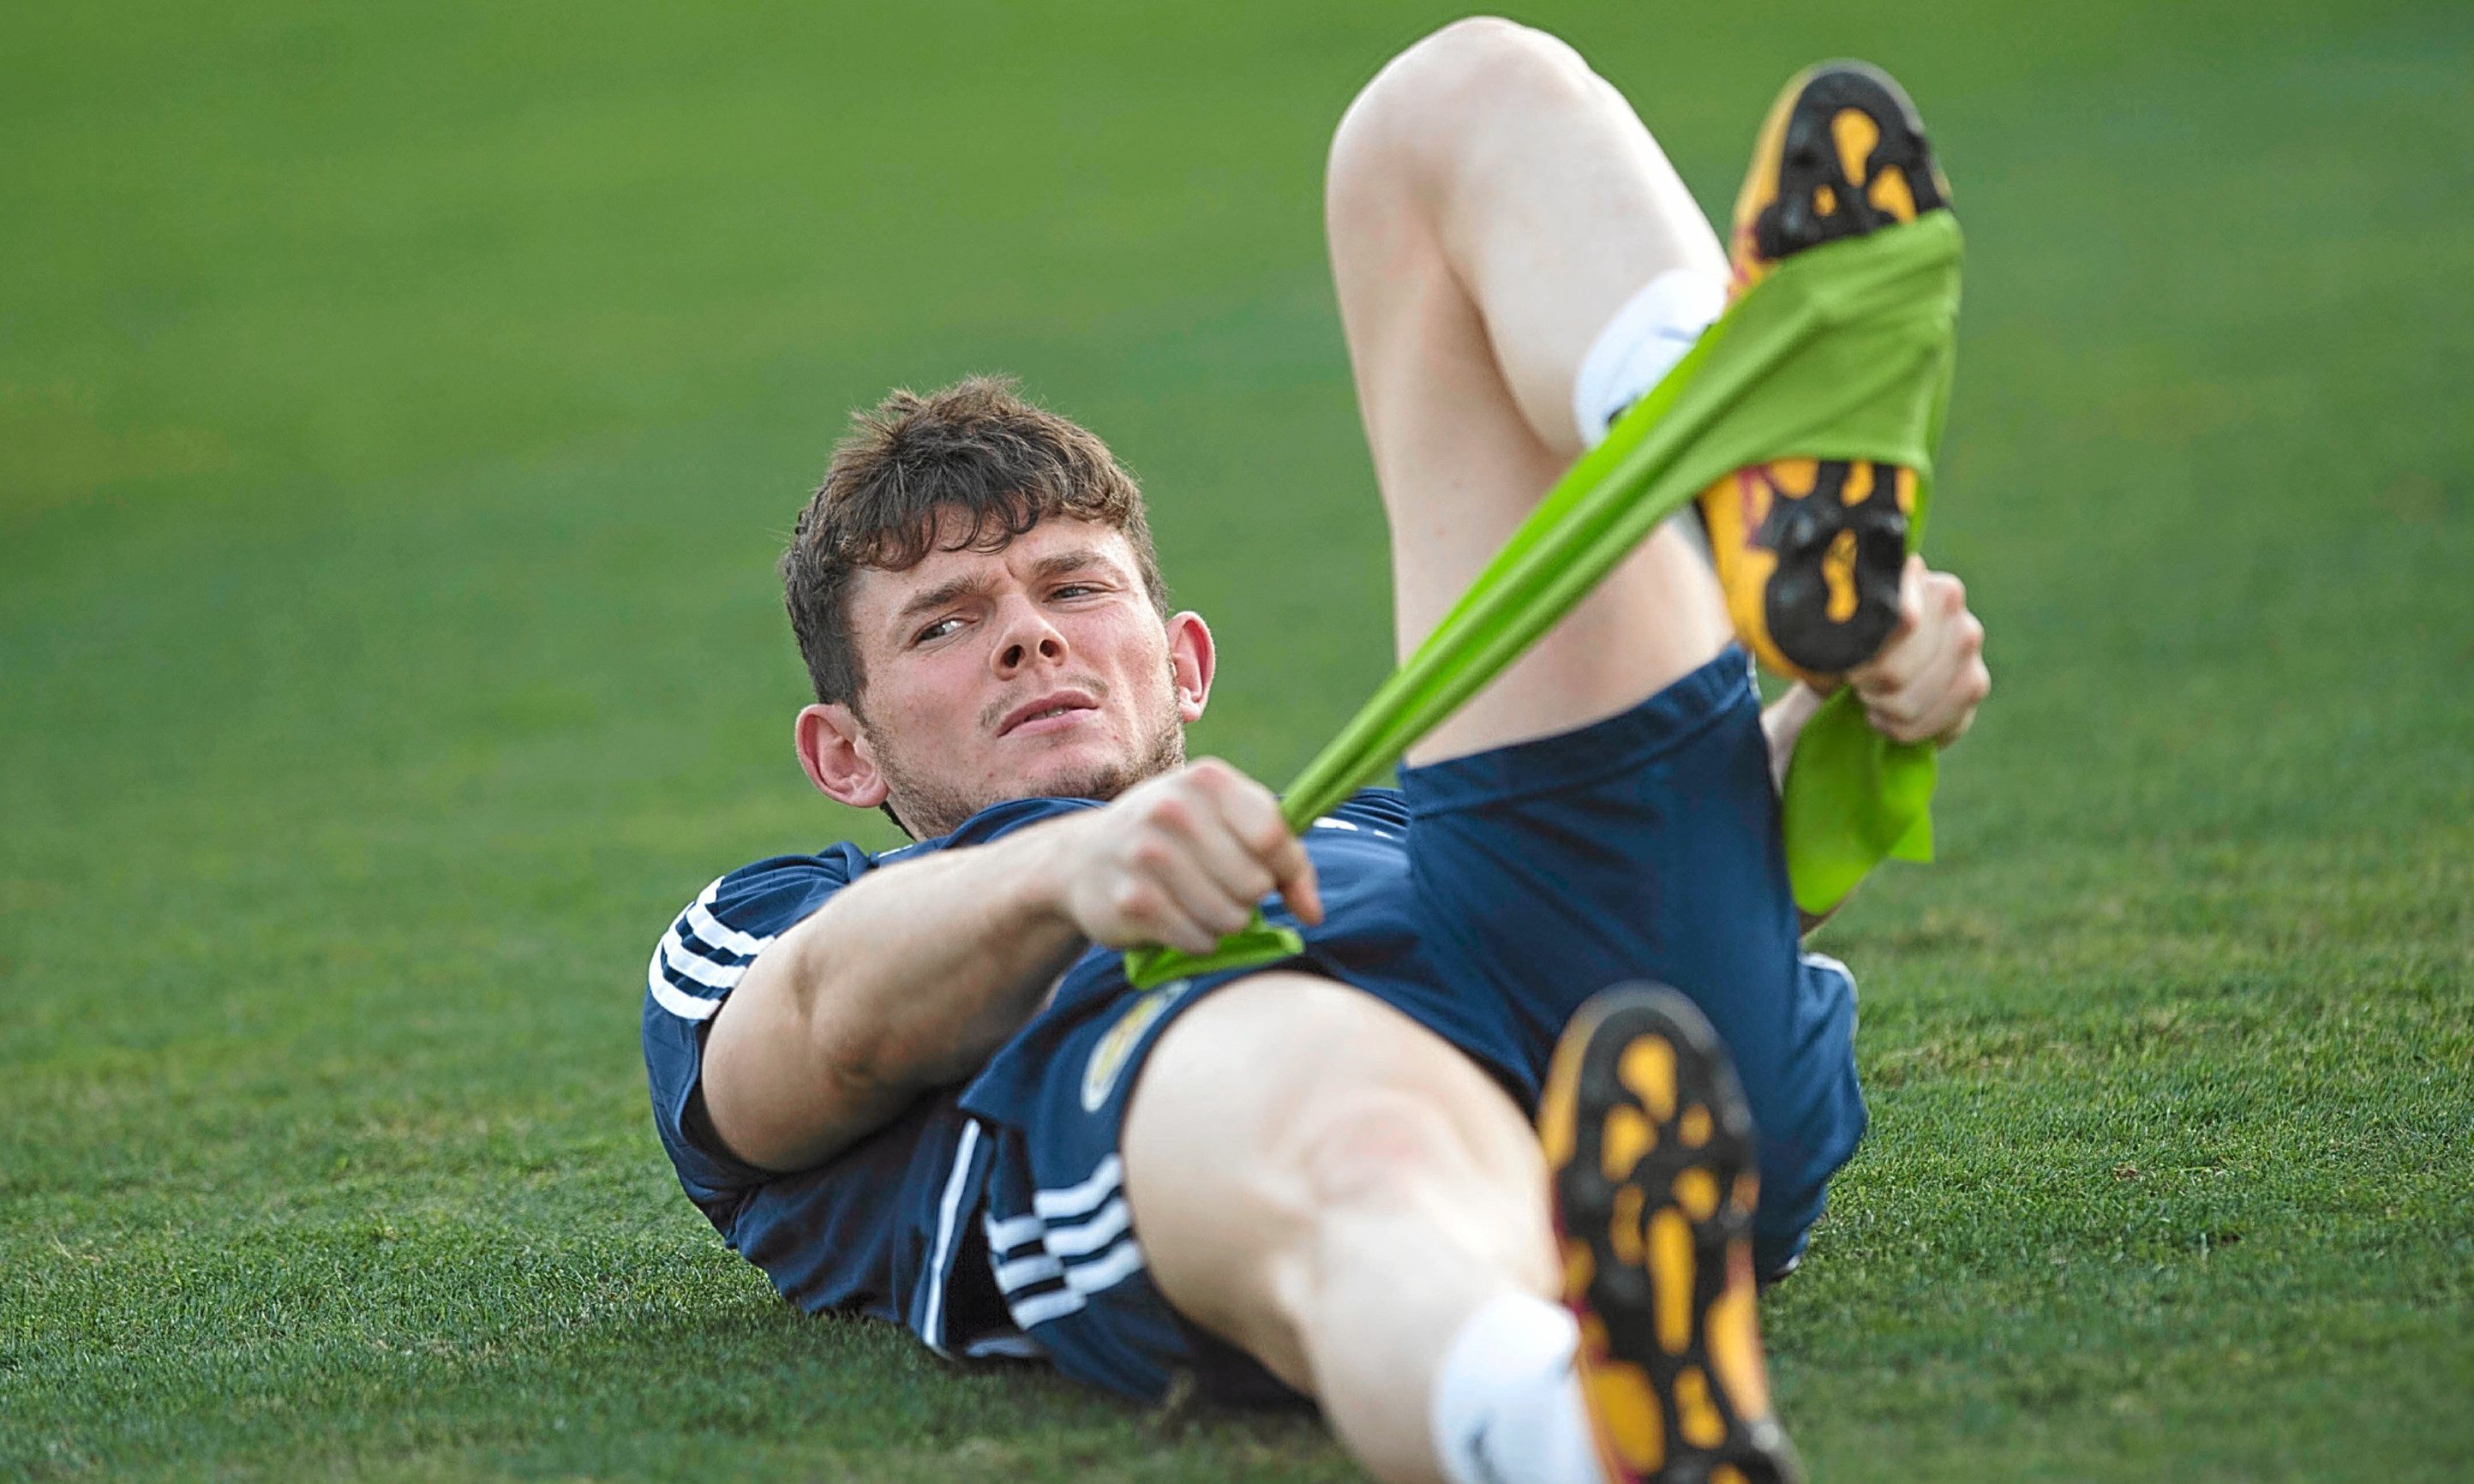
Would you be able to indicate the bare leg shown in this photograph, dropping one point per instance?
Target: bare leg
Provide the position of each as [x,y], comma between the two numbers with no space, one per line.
[1317,1178]
[1492,202]
[1335,1189]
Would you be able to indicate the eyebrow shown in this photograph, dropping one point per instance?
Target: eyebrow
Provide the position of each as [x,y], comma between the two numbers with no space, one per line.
[1046,568]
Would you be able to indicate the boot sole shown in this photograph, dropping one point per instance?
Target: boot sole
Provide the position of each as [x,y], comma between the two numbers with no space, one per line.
[1842,154]
[1654,1208]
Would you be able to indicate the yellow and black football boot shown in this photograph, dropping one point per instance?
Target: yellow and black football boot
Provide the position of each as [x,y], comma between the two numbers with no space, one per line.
[1810,552]
[1651,1148]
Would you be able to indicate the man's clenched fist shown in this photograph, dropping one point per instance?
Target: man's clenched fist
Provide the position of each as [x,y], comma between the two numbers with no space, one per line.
[1930,677]
[1182,859]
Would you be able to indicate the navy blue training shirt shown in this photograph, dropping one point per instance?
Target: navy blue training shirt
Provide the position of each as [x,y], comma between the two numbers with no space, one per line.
[888,1226]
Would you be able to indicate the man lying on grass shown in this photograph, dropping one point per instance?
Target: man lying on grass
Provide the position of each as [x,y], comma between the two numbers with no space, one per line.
[917,1086]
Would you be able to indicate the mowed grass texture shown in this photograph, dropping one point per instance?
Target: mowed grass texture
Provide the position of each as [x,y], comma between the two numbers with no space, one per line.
[400,410]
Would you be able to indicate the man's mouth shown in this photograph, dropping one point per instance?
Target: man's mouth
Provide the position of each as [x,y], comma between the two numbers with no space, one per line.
[1046,712]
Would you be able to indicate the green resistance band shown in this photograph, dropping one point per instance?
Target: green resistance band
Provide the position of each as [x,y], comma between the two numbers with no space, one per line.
[1844,352]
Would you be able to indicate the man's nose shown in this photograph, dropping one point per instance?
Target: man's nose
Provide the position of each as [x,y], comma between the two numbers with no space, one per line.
[1028,636]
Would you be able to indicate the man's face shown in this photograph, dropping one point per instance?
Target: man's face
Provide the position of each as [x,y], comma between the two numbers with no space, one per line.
[1038,670]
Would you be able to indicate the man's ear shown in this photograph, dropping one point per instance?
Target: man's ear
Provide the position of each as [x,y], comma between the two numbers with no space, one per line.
[835,753]
[1191,662]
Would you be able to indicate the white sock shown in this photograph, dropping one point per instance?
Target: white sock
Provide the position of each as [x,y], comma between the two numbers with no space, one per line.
[1640,344]
[1507,1406]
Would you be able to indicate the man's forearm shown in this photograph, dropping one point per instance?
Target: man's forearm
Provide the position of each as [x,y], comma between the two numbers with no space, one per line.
[913,974]
[916,972]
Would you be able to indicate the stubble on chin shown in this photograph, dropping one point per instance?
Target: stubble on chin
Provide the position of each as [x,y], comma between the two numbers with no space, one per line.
[930,808]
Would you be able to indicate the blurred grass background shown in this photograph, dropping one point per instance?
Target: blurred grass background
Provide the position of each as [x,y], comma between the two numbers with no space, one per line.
[400,410]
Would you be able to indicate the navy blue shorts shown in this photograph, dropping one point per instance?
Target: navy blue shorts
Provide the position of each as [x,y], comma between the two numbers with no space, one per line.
[1487,899]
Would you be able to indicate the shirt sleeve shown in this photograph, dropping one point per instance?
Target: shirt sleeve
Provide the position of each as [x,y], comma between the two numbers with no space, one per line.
[694,967]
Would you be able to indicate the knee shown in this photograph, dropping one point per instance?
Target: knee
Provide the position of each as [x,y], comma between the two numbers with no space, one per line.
[1389,1171]
[1476,58]
[1416,113]
[1378,1147]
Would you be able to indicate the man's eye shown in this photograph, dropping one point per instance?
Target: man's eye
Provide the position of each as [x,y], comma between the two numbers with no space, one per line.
[936,630]
[1075,590]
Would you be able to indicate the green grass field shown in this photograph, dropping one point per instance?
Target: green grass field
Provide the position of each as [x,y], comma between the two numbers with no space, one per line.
[399,412]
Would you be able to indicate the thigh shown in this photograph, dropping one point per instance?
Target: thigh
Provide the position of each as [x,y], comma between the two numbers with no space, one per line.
[1460,471]
[1244,1118]
[1490,205]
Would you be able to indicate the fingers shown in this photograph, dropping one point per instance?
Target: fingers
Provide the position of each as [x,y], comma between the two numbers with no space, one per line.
[1897,700]
[1257,832]
[1943,704]
[1957,728]
[1928,679]
[1963,688]
[1170,877]
[1143,910]
[1186,860]
[1925,600]
[1911,587]
[1215,898]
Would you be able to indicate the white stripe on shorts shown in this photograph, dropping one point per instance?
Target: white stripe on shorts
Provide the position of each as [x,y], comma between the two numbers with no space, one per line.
[932,1328]
[1084,1238]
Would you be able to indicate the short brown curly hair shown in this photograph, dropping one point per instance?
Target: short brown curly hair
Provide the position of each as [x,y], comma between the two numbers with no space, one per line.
[975,460]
